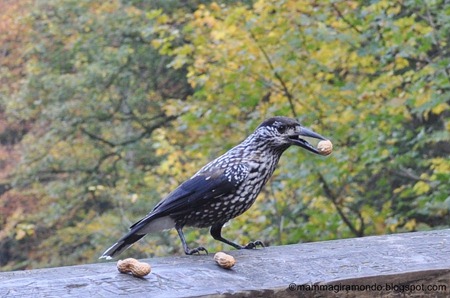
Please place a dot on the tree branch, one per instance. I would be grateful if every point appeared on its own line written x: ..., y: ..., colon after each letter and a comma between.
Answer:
x: 286, y: 91
x: 97, y: 138
x: 333, y: 198
x: 147, y: 130
x: 345, y: 19
x: 405, y: 173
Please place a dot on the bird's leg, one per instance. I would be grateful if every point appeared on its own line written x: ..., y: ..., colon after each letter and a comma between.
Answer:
x: 186, y: 248
x: 216, y: 233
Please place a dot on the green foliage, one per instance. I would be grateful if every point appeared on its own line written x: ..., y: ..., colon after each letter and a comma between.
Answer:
x: 95, y: 91
x: 353, y: 72
x: 129, y: 98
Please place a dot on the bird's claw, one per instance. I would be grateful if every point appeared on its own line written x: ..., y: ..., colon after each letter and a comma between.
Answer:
x: 254, y: 244
x: 196, y: 250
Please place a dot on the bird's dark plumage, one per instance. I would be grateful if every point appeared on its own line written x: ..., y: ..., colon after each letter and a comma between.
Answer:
x: 224, y: 188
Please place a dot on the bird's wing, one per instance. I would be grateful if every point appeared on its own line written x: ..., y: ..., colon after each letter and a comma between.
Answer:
x: 200, y: 189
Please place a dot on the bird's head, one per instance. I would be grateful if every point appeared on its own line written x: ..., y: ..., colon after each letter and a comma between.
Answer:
x: 282, y: 132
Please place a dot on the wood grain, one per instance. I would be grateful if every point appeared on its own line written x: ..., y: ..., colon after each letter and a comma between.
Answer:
x: 413, y: 259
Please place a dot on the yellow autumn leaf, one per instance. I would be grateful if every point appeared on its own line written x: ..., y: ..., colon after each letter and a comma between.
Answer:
x: 410, y: 224
x: 440, y: 108
x: 214, y: 6
x: 401, y: 62
x: 440, y: 165
x: 20, y: 234
x: 421, y: 187
x: 218, y: 34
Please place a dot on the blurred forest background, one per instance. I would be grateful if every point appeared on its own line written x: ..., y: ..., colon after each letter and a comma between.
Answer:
x: 106, y: 106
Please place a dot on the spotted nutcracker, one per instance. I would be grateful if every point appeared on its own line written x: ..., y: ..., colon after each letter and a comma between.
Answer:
x: 222, y: 189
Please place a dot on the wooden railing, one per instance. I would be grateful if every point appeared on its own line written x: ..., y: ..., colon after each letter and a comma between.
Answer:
x: 399, y: 265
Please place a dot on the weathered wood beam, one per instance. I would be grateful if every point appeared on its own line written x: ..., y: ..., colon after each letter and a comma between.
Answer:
x: 416, y: 264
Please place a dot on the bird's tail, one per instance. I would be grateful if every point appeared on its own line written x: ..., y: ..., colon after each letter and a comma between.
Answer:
x: 125, y: 242
x: 151, y: 223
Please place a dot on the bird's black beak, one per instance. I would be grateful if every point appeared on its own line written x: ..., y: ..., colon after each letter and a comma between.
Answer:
x: 304, y: 132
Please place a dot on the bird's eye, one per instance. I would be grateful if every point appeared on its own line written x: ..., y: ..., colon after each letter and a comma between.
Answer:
x: 281, y: 128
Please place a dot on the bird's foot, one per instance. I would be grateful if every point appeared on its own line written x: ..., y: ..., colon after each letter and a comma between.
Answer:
x: 254, y: 244
x: 195, y: 250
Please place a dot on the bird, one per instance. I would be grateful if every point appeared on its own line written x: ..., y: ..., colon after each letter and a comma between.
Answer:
x: 223, y: 189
